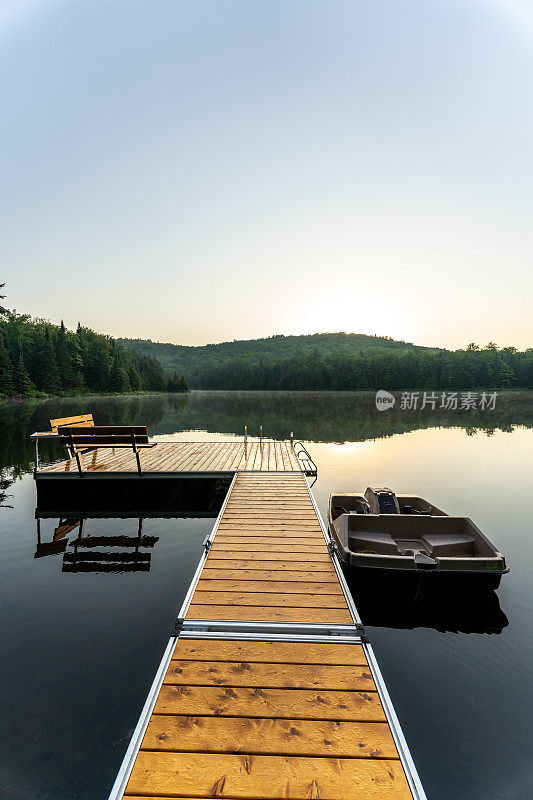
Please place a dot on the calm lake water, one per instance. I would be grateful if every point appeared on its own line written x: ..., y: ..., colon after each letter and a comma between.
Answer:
x: 82, y: 634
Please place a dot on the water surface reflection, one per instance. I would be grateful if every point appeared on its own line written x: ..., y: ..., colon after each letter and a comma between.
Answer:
x: 461, y: 694
x: 445, y: 605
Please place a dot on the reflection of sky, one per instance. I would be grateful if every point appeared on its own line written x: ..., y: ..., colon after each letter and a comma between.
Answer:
x: 454, y: 693
x: 460, y: 698
x: 220, y: 161
x: 476, y: 476
x: 479, y: 476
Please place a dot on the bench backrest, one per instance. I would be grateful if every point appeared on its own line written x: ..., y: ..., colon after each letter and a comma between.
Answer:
x: 82, y: 421
x: 103, y: 435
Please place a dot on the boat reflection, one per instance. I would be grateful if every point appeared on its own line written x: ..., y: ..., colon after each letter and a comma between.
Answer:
x: 446, y: 606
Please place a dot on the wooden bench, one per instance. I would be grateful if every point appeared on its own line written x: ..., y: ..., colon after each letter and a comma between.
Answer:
x: 109, y: 436
x: 81, y: 421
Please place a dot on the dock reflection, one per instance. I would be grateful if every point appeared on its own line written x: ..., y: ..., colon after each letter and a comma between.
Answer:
x: 86, y: 551
x: 446, y: 606
x: 149, y: 497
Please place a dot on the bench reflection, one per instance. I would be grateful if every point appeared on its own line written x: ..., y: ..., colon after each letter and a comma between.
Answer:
x: 97, y: 553
x: 85, y: 548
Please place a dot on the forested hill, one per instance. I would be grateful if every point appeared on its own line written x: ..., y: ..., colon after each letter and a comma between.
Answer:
x: 202, y: 364
x: 341, y: 361
x: 39, y: 358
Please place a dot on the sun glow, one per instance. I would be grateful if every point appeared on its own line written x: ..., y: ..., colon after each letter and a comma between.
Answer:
x: 355, y: 311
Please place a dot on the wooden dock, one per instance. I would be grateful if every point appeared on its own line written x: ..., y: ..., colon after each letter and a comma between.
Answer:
x: 182, y: 459
x: 268, y: 689
x: 269, y: 560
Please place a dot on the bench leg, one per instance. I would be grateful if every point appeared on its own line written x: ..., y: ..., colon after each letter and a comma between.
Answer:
x: 137, y: 456
x: 76, y: 453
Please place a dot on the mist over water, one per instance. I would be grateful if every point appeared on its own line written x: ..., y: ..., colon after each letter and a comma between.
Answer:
x: 84, y: 618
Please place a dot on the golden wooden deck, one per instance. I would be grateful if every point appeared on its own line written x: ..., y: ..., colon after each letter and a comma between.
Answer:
x: 269, y: 525
x: 184, y: 458
x: 268, y: 719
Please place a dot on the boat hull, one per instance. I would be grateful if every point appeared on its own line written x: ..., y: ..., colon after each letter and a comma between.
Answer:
x: 421, y: 544
x: 443, y: 577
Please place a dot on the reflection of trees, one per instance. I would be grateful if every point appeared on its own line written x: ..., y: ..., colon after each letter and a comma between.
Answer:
x: 330, y: 416
x: 5, y: 483
x: 314, y: 416
x: 18, y: 420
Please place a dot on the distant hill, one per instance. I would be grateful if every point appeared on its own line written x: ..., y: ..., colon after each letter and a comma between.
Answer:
x: 340, y: 361
x: 195, y: 362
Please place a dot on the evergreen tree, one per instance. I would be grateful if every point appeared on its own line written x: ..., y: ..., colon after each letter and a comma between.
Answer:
x: 173, y: 383
x: 78, y: 384
x: 152, y: 374
x: 118, y: 379
x: 23, y: 382
x: 7, y: 387
x: 63, y: 359
x: 97, y: 358
x: 57, y: 360
x: 2, y: 297
x: 177, y: 383
x: 48, y: 374
x: 134, y: 378
x: 183, y: 385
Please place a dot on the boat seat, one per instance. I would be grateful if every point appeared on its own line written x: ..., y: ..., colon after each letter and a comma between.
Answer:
x: 449, y: 544
x: 370, y: 542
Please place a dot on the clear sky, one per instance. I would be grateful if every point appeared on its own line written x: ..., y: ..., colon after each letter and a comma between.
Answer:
x: 207, y: 171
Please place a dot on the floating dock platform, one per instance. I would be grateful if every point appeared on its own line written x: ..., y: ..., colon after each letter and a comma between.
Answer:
x: 268, y: 688
x: 182, y: 459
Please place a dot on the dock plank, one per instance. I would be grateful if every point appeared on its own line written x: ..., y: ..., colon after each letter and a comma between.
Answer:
x: 283, y: 587
x: 262, y: 736
x: 270, y: 675
x: 294, y: 557
x: 231, y: 701
x: 246, y: 563
x: 265, y: 537
x: 333, y: 616
x: 267, y: 598
x: 271, y: 652
x: 265, y: 777
x: 327, y: 575
x: 281, y: 546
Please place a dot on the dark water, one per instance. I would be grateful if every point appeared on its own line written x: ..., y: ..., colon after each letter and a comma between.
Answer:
x: 84, y: 624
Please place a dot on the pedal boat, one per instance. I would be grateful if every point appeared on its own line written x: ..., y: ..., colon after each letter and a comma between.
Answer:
x: 406, y: 533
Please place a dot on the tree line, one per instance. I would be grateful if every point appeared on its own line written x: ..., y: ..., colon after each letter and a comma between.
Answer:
x: 376, y: 368
x: 194, y: 360
x: 342, y: 361
x: 38, y: 358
